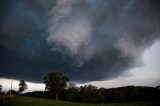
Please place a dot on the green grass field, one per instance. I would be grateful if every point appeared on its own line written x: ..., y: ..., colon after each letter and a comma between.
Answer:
x: 30, y: 101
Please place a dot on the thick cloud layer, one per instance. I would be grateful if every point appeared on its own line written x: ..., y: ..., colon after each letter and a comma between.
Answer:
x: 85, y: 39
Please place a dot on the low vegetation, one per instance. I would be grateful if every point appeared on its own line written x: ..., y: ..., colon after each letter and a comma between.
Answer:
x: 91, y: 94
x: 30, y: 101
x: 58, y: 89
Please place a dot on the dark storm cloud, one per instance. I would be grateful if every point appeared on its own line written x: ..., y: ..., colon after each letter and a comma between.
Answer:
x: 85, y: 39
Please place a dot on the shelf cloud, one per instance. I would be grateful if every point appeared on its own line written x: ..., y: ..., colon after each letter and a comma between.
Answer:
x: 88, y: 40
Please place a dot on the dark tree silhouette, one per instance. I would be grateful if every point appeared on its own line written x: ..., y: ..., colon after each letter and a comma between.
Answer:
x: 90, y: 93
x: 71, y: 92
x: 158, y: 87
x: 22, y: 86
x: 12, y: 92
x: 55, y: 82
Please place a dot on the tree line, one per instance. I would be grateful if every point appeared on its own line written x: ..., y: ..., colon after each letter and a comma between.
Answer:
x: 56, y: 87
x: 90, y: 94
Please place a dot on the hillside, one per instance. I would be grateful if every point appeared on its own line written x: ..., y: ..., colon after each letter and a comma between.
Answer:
x: 91, y: 94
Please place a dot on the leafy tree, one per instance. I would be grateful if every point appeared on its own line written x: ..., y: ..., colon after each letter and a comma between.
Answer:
x: 90, y: 93
x: 12, y: 92
x: 22, y: 86
x: 72, y: 92
x: 55, y: 82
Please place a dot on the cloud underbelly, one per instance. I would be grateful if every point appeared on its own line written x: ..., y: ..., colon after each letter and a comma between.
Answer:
x: 86, y: 39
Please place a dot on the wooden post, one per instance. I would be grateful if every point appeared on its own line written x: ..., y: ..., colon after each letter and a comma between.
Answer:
x: 11, y: 87
x: 4, y: 99
x: 56, y: 96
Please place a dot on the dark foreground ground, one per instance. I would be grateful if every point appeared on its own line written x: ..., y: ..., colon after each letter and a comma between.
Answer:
x: 30, y: 101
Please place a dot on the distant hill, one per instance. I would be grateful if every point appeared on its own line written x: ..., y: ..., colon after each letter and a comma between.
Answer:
x: 102, y: 95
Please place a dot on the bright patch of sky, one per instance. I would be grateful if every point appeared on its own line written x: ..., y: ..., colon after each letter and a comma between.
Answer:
x: 147, y: 75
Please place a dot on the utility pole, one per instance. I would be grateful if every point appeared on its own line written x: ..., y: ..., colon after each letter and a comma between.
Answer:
x: 11, y: 87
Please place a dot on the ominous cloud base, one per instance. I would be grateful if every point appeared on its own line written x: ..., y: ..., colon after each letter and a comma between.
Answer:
x: 85, y: 39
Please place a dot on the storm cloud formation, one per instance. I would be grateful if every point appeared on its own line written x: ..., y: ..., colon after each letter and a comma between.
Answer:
x: 86, y: 39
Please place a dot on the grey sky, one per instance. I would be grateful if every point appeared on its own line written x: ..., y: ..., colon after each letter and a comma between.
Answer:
x: 88, y: 40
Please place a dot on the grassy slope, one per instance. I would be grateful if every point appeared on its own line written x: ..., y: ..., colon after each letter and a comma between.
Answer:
x: 29, y: 101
